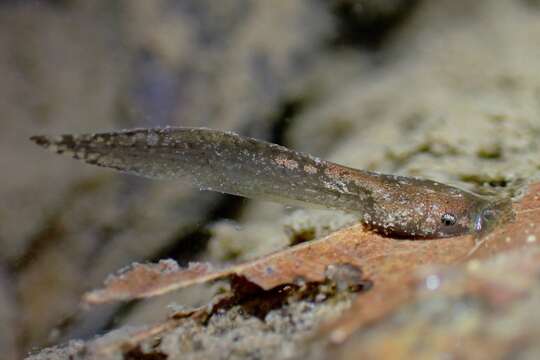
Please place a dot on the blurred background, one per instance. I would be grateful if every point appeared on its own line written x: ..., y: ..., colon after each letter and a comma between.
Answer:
x: 444, y: 89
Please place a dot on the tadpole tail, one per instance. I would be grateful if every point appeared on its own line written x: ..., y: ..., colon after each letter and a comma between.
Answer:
x: 219, y: 161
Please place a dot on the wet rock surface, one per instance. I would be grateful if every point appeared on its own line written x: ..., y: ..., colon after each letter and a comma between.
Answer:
x: 448, y: 90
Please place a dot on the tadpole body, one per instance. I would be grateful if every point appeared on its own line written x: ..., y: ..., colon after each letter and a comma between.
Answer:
x: 226, y: 162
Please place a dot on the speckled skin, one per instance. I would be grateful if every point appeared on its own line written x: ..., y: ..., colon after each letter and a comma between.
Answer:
x: 226, y: 162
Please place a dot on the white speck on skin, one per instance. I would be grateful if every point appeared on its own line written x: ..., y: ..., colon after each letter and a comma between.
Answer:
x: 139, y: 137
x: 287, y: 163
x: 310, y: 169
x: 531, y: 239
x: 152, y: 139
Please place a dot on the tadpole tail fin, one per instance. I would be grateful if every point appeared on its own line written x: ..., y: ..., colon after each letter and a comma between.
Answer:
x: 219, y: 161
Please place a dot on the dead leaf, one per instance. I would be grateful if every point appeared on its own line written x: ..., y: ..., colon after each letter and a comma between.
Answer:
x: 147, y: 280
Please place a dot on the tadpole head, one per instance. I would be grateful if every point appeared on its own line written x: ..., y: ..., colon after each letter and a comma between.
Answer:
x: 492, y: 215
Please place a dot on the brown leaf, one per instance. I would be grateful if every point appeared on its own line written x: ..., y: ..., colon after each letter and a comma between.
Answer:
x: 147, y: 280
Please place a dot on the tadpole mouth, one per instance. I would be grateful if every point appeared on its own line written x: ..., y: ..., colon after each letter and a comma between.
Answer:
x: 494, y: 214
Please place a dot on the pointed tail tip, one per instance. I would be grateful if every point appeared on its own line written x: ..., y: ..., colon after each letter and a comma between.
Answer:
x: 55, y: 144
x: 43, y: 141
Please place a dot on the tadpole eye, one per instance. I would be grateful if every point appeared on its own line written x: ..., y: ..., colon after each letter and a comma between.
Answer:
x: 448, y: 219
